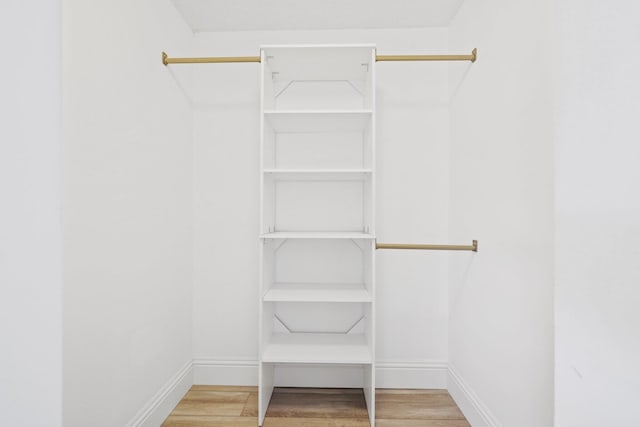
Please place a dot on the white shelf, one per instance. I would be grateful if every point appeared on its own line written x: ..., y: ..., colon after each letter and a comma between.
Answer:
x: 318, y: 174
x: 317, y: 235
x: 317, y: 292
x: 300, y: 121
x: 317, y: 348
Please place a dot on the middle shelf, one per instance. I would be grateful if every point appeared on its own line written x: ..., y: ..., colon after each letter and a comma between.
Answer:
x: 317, y: 292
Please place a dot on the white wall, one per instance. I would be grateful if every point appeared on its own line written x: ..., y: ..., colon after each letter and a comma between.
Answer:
x: 30, y: 247
x: 501, y: 299
x: 597, y: 100
x: 413, y: 126
x: 127, y: 209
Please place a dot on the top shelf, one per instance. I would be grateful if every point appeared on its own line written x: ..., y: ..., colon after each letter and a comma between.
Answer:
x: 317, y: 235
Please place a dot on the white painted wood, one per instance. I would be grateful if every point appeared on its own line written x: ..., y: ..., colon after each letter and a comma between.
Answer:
x: 319, y: 375
x: 319, y: 174
x: 317, y: 348
x: 318, y: 292
x: 369, y: 389
x: 265, y: 390
x: 158, y: 408
x: 317, y: 264
x: 317, y: 235
x: 473, y: 408
x: 418, y: 374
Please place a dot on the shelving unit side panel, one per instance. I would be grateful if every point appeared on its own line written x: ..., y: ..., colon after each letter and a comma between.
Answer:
x: 370, y: 392
x: 372, y: 143
x: 268, y: 90
x: 265, y: 389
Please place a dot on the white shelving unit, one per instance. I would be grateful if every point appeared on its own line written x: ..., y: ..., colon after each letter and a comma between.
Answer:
x: 317, y: 266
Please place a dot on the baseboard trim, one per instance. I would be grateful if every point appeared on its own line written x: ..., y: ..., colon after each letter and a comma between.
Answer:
x: 476, y: 412
x: 225, y: 372
x: 389, y: 374
x: 160, y: 406
x: 420, y: 375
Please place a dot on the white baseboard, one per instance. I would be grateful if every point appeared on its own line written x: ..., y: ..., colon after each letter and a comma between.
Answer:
x: 469, y: 403
x: 225, y: 372
x: 160, y: 406
x: 420, y: 375
x: 423, y: 375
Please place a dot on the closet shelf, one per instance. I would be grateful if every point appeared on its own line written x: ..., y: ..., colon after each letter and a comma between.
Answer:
x: 300, y: 121
x: 317, y: 348
x: 317, y: 235
x: 317, y: 292
x: 318, y: 174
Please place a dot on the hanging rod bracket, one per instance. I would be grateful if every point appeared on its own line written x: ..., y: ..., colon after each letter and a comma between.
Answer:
x: 473, y: 247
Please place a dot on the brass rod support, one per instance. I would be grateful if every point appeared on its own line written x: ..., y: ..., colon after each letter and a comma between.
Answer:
x: 209, y: 60
x: 472, y: 57
x: 473, y: 247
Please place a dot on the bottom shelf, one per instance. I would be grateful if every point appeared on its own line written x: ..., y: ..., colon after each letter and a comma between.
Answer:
x: 317, y: 348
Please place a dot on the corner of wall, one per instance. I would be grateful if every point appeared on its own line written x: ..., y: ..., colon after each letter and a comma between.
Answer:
x: 158, y: 408
x: 476, y: 412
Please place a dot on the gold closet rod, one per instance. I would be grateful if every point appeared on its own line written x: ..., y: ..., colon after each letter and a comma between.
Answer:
x: 474, y: 54
x: 219, y: 59
x: 473, y: 247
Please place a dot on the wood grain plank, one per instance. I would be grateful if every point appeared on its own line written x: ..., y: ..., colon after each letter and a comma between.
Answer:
x: 231, y: 406
x: 299, y: 390
x: 209, y: 421
x: 410, y: 391
x: 317, y: 405
x: 421, y: 423
x: 315, y: 422
x: 212, y: 403
x: 251, y: 406
x: 416, y: 406
x: 225, y: 388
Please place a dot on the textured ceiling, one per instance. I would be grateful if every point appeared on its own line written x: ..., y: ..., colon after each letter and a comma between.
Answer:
x: 256, y: 15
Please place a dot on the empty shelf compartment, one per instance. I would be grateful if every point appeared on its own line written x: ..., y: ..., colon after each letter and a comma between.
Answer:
x: 317, y: 348
x: 317, y: 292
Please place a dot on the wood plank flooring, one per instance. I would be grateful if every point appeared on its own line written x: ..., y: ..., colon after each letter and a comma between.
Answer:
x: 229, y: 406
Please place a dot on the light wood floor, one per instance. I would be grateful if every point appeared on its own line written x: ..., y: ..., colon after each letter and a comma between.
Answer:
x: 220, y: 406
